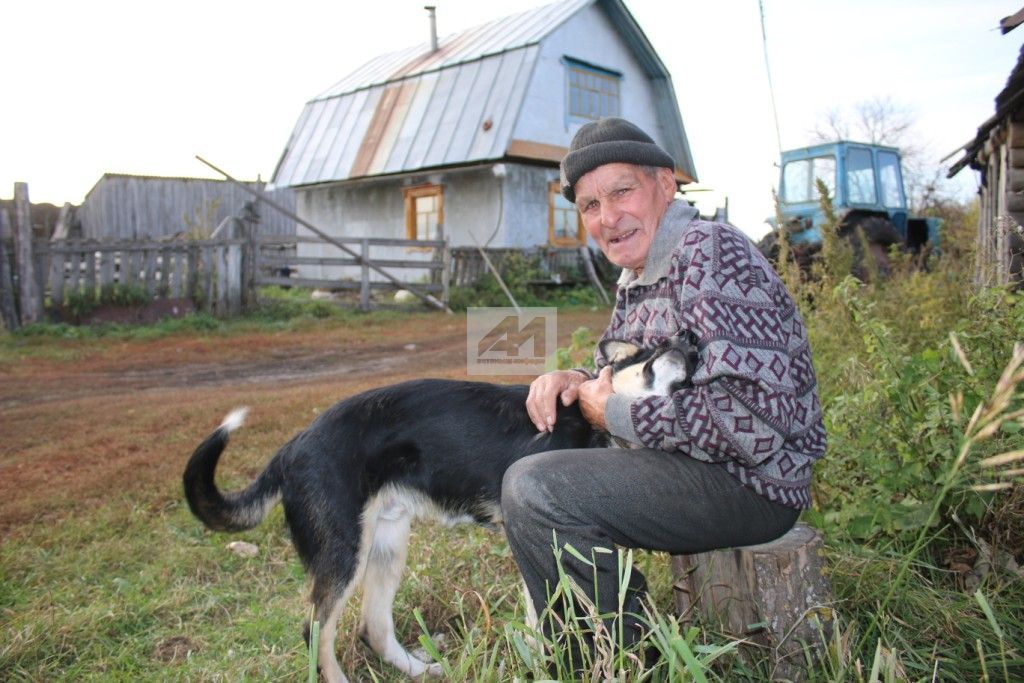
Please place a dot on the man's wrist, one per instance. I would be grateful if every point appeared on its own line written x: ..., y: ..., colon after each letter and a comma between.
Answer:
x: 587, y: 374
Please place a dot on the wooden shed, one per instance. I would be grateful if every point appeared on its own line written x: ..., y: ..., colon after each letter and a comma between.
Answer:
x: 133, y: 207
x: 997, y: 153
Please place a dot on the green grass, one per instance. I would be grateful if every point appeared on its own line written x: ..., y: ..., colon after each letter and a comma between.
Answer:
x: 107, y: 594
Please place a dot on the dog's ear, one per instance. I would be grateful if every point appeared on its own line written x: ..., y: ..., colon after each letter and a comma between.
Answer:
x: 685, y: 346
x: 617, y: 350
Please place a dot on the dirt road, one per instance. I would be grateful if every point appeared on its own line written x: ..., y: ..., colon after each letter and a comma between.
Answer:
x: 87, y: 421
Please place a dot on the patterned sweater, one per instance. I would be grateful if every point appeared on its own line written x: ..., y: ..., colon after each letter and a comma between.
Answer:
x: 754, y: 406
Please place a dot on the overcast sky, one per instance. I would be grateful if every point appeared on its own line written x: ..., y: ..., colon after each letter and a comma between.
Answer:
x: 141, y: 87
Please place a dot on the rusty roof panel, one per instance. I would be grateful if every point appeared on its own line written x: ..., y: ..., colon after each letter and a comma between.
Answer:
x: 399, y: 112
x: 374, y: 132
x: 429, y: 120
x: 343, y: 133
x: 355, y: 138
x: 413, y: 123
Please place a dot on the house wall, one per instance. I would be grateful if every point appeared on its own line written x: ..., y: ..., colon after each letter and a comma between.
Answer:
x: 473, y: 198
x: 142, y: 207
x: 376, y: 208
x: 588, y: 36
x: 999, y: 247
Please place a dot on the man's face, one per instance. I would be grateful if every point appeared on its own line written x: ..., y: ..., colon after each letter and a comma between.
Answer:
x: 621, y: 206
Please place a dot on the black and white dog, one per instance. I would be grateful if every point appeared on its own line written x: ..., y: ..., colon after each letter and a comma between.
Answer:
x: 354, y: 480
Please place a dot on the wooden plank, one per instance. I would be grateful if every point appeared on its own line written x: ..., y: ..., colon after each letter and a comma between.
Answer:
x: 209, y: 265
x: 138, y: 266
x: 179, y: 283
x: 233, y: 279
x: 163, y: 273
x: 56, y: 272
x: 281, y: 261
x: 90, y: 273
x: 354, y: 241
x: 74, y: 279
x: 446, y: 273
x: 8, y: 312
x: 527, y: 149
x: 106, y: 270
x: 364, y: 290
x: 350, y: 286
x: 24, y: 264
x: 149, y: 267
x: 221, y: 279
x: 42, y: 263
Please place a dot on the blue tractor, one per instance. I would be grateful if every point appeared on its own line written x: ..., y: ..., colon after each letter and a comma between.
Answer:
x: 866, y: 185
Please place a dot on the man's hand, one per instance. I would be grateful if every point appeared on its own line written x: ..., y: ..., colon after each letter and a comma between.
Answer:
x: 593, y: 395
x: 548, y: 388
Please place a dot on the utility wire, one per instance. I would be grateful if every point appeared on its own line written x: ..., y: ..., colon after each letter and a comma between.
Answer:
x: 767, y: 68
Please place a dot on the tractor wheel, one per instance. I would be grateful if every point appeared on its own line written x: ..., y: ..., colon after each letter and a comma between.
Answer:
x: 769, y: 246
x: 880, y: 234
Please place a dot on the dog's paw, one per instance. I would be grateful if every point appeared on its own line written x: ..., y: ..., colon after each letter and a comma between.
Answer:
x: 422, y: 655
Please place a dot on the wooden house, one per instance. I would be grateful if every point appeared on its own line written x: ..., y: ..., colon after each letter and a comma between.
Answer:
x: 460, y: 138
x: 997, y: 153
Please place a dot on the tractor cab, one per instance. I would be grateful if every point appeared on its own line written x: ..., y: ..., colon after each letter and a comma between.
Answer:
x: 866, y: 185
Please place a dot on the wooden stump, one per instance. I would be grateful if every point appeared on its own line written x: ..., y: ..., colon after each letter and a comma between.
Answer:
x: 774, y: 595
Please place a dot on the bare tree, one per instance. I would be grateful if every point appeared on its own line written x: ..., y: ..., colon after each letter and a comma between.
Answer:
x: 880, y: 121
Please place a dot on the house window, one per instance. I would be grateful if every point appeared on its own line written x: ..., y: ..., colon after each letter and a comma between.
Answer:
x: 424, y: 212
x: 593, y: 92
x: 565, y: 228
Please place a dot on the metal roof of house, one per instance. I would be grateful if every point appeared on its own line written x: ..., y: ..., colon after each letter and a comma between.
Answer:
x: 417, y: 109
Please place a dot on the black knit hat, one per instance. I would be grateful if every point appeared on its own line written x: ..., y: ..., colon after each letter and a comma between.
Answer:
x: 607, y: 141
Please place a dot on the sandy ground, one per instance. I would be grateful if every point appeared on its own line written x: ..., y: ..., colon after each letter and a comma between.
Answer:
x: 85, y: 421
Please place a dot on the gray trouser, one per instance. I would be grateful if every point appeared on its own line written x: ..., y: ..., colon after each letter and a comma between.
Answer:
x: 607, y: 497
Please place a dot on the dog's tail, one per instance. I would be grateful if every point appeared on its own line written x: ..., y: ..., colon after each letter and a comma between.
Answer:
x: 233, y: 511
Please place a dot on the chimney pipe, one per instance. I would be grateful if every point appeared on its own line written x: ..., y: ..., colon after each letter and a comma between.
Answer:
x: 433, y: 26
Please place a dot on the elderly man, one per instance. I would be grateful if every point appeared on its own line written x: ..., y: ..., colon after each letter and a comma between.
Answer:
x: 726, y: 462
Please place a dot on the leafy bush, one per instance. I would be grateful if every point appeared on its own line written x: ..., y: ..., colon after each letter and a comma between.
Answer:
x: 522, y: 275
x: 579, y: 353
x: 79, y: 303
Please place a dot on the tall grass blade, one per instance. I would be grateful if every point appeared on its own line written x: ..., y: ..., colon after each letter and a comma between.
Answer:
x: 693, y: 665
x: 314, y: 648
x: 427, y: 643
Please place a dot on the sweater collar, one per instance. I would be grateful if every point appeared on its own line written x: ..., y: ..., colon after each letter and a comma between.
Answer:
x: 659, y: 256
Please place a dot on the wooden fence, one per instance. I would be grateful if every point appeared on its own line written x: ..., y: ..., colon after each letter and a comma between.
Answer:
x: 556, y: 265
x: 281, y: 261
x: 209, y: 272
x: 218, y: 276
x: 221, y: 276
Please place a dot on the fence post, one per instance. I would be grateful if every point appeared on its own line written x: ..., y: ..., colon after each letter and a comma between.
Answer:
x: 446, y: 271
x: 23, y: 261
x: 8, y: 312
x: 364, y: 290
x: 249, y: 251
x: 233, y: 277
